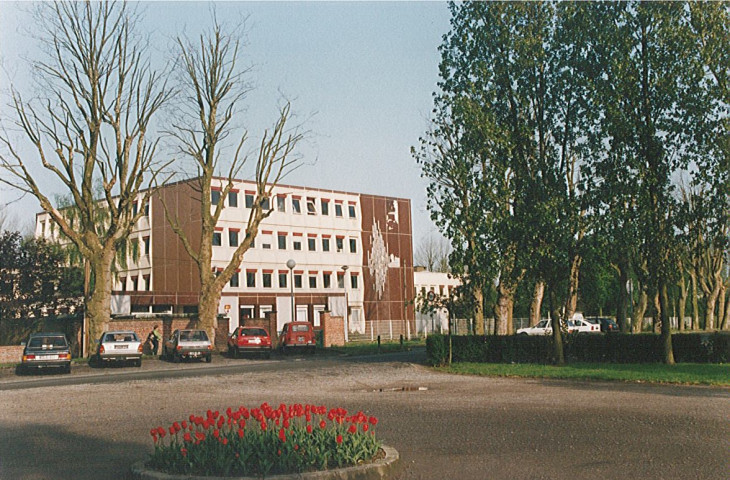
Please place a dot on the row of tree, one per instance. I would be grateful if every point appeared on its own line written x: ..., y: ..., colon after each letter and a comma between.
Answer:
x: 562, y: 129
x: 94, y: 125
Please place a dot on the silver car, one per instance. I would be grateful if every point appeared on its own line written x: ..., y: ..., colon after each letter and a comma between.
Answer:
x: 119, y: 346
x: 188, y: 344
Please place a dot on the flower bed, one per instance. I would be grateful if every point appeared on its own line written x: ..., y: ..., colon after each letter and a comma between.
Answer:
x: 265, y: 441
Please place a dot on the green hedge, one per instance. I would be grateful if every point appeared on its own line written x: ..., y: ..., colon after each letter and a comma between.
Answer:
x: 613, y: 348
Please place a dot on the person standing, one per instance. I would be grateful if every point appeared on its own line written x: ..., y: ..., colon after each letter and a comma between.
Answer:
x: 154, y: 337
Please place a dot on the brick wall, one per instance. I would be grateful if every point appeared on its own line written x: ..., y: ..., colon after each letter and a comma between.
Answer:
x: 333, y: 330
x: 11, y: 354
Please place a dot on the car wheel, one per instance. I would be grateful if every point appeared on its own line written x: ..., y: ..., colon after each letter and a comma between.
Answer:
x: 267, y: 355
x: 175, y: 358
x: 67, y: 368
x: 208, y: 358
x: 236, y: 352
x: 522, y: 334
x: 138, y: 362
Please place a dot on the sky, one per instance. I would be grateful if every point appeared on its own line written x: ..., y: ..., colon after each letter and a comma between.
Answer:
x: 360, y: 75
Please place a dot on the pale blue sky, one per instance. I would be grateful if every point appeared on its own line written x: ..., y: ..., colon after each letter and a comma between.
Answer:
x: 361, y: 74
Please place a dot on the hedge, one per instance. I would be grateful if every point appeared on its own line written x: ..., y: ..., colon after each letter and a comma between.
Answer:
x: 594, y: 348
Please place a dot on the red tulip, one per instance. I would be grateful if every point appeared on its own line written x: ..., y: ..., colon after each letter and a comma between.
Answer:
x: 322, y: 424
x: 339, y: 439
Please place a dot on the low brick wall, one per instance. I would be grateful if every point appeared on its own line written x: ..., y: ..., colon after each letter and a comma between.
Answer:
x: 11, y: 354
x: 168, y: 324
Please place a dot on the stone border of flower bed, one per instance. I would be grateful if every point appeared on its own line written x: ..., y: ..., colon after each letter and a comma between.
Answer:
x: 378, y: 469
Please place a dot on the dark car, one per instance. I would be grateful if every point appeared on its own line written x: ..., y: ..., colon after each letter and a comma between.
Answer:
x: 249, y: 340
x: 297, y: 336
x: 608, y: 325
x: 46, y: 350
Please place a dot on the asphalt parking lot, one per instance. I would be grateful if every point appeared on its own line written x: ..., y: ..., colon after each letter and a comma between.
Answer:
x: 443, y: 426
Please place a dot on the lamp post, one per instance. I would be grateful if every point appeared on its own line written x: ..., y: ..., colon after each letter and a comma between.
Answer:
x: 291, y: 264
x: 347, y: 312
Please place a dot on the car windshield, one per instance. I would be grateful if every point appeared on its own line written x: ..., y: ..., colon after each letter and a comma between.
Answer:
x: 47, y: 342
x: 542, y: 324
x: 121, y: 337
x: 594, y: 321
x: 253, y: 332
x: 300, y: 328
x: 194, y: 336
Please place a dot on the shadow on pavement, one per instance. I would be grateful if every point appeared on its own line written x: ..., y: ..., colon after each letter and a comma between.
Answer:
x: 46, y: 452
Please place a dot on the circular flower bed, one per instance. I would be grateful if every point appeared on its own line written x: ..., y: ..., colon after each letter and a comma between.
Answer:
x: 265, y: 441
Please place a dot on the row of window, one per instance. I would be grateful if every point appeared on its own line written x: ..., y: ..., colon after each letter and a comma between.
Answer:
x: 137, y: 283
x: 314, y: 206
x: 312, y: 279
x: 297, y: 242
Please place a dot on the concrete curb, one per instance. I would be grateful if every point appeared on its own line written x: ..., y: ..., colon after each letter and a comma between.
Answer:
x: 382, y: 468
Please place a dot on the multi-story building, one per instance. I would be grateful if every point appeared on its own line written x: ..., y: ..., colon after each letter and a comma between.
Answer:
x: 350, y: 249
x: 440, y: 286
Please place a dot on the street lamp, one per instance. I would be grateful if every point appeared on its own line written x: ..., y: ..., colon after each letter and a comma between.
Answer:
x: 347, y: 313
x: 291, y: 264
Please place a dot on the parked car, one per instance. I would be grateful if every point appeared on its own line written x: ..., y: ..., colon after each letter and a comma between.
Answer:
x: 119, y: 346
x: 608, y: 325
x: 188, y: 344
x: 584, y: 325
x: 544, y: 327
x: 249, y: 340
x: 46, y: 350
x: 297, y: 336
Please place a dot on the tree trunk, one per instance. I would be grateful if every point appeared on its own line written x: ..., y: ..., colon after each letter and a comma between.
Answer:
x: 666, y: 328
x: 712, y: 297
x: 503, y: 309
x: 637, y: 317
x: 208, y: 310
x: 623, y: 297
x: 558, y: 353
x: 571, y: 303
x: 695, y: 301
x: 656, y: 318
x: 682, y: 300
x: 721, y: 308
x: 536, y: 303
x: 478, y: 310
x: 726, y: 322
x: 97, y: 308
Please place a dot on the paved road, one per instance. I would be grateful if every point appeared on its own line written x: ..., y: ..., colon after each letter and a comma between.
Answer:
x: 460, y: 427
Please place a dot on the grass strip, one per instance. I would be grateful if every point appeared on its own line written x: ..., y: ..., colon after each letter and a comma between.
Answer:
x: 683, y: 373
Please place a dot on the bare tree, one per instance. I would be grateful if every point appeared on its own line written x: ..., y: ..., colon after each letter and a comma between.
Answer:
x: 213, y: 86
x: 433, y: 254
x: 88, y: 128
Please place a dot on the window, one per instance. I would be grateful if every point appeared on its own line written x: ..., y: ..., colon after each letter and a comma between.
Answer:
x: 146, y: 279
x: 351, y: 210
x: 234, y: 280
x: 312, y: 280
x: 251, y: 278
x: 353, y: 245
x: 353, y: 281
x: 246, y: 311
x: 281, y: 203
x: 295, y: 205
x: 233, y: 198
x: 147, y: 209
x: 311, y: 207
x: 216, y: 239
x: 134, y: 209
x: 146, y: 241
x: 266, y: 239
x: 265, y: 204
x: 325, y: 244
x: 340, y: 280
x: 297, y: 280
x: 215, y: 197
x: 135, y: 249
x: 267, y: 279
x: 248, y: 199
x: 282, y: 279
x: 312, y: 244
x: 233, y: 238
x: 338, y: 209
x: 282, y: 241
x: 297, y: 244
x: 339, y: 243
x: 325, y: 207
x: 327, y: 279
x: 134, y: 284
x: 123, y: 283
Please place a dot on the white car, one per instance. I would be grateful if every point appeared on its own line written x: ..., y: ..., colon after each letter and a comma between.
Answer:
x: 582, y: 325
x: 119, y: 346
x: 543, y: 327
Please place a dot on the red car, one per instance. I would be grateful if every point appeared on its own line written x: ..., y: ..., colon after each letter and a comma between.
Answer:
x: 297, y: 335
x: 249, y: 340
